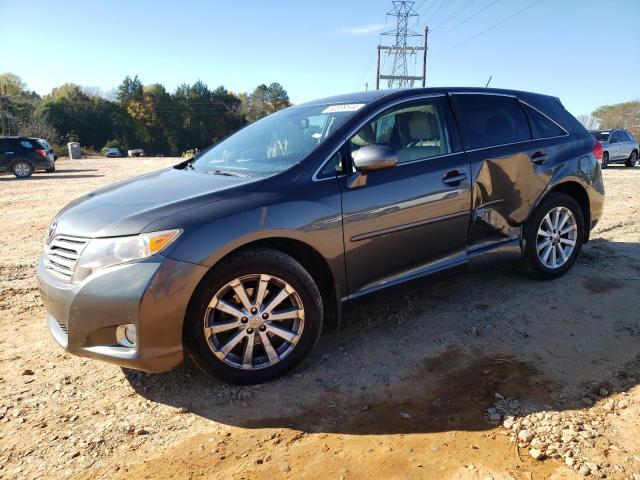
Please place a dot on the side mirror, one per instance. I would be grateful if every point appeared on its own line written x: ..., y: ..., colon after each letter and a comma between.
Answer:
x: 374, y: 157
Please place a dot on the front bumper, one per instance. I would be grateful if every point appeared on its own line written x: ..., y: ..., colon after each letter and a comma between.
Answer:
x: 151, y: 294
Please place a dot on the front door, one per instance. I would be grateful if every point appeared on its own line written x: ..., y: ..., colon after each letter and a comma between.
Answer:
x: 414, y: 216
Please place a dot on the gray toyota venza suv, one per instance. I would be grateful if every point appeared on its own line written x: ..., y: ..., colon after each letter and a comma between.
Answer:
x: 240, y: 255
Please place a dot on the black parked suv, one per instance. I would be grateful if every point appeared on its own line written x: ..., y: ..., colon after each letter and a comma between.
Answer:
x: 239, y: 255
x: 23, y: 155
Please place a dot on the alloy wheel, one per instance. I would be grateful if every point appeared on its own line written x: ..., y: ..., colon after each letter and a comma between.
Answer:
x: 556, y: 238
x: 254, y: 321
x: 22, y: 169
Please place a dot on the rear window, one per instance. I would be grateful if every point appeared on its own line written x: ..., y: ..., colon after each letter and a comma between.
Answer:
x: 602, y: 136
x: 542, y: 126
x: 491, y: 120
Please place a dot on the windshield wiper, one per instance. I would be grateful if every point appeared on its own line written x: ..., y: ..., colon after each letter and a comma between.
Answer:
x: 226, y: 173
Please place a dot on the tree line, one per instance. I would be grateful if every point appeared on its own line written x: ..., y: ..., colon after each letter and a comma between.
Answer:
x: 136, y: 116
x: 620, y: 115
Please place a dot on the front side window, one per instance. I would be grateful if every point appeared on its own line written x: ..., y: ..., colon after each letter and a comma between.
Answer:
x: 414, y: 132
x: 274, y: 143
x: 491, y: 120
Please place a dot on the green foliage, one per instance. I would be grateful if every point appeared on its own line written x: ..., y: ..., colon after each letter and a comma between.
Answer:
x: 149, y: 117
x: 264, y: 101
x: 620, y: 115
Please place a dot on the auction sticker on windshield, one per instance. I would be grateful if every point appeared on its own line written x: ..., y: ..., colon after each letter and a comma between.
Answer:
x: 346, y: 107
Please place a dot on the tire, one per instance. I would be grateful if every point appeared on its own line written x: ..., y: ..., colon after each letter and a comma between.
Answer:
x: 538, y: 230
x: 633, y: 158
x: 22, y: 169
x: 605, y: 160
x: 211, y: 349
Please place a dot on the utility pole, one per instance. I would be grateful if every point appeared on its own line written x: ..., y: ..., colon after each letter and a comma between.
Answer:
x: 406, y: 44
x: 2, y: 98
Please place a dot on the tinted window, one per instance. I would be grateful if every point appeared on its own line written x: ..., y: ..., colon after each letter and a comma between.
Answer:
x: 623, y: 136
x: 414, y: 132
x: 5, y: 146
x: 492, y: 120
x: 615, y: 136
x: 541, y: 126
x: 26, y: 144
x: 602, y: 136
x: 333, y: 167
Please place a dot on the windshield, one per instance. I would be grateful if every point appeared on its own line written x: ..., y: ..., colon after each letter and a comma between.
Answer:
x: 602, y: 136
x: 274, y: 143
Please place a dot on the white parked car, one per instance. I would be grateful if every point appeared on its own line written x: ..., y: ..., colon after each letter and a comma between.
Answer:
x: 136, y: 152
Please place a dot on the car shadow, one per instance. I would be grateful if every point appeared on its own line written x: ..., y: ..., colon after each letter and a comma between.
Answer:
x: 433, y: 358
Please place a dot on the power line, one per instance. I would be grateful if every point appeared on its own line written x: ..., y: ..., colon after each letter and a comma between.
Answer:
x: 493, y: 26
x: 453, y: 15
x: 438, y: 9
x: 471, y: 17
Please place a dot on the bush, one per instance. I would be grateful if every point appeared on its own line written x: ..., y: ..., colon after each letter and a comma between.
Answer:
x: 60, y: 150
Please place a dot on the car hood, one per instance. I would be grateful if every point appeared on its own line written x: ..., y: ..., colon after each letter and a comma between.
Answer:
x: 127, y: 207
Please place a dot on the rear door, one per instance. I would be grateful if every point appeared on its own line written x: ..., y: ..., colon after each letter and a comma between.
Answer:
x: 626, y: 145
x: 512, y: 149
x: 6, y: 154
x: 412, y: 218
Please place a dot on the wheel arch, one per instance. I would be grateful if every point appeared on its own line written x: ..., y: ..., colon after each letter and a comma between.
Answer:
x: 310, y: 259
x: 580, y: 195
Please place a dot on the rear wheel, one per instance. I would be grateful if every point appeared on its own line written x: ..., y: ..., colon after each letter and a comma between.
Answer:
x: 256, y: 316
x: 632, y: 160
x: 22, y: 169
x: 605, y: 160
x: 553, y: 237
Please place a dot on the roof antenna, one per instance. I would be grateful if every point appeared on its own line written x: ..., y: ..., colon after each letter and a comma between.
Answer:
x: 488, y: 81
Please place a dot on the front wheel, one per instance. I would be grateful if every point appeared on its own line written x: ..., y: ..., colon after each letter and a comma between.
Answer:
x: 553, y: 237
x: 632, y: 160
x: 254, y: 317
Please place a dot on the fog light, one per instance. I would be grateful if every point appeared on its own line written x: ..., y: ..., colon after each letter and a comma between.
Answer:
x: 126, y: 335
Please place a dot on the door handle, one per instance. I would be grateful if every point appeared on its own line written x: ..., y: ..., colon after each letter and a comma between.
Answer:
x: 539, y: 158
x: 454, y: 177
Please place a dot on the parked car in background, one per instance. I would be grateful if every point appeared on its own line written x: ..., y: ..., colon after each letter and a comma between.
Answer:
x: 22, y: 156
x: 136, y: 152
x: 238, y: 256
x: 112, y: 153
x: 52, y: 156
x: 619, y: 146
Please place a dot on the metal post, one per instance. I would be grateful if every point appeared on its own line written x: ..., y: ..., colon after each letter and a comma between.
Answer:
x: 424, y: 62
x: 378, y: 71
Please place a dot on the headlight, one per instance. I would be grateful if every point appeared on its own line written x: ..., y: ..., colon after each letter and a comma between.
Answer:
x: 106, y: 252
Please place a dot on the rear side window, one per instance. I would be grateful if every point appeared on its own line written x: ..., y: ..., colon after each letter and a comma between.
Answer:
x: 490, y: 120
x: 623, y: 136
x: 542, y: 126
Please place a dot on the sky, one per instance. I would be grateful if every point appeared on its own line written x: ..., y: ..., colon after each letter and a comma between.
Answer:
x: 586, y: 52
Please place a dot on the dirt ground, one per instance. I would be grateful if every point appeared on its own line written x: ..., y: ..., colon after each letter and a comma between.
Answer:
x: 466, y: 378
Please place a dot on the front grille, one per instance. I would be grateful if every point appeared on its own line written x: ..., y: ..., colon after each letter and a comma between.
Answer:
x: 61, y: 255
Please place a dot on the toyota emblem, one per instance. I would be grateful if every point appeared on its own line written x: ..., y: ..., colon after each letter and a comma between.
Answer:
x: 52, y: 231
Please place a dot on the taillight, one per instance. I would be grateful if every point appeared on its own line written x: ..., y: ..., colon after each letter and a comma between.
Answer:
x: 597, y: 150
x: 40, y: 152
